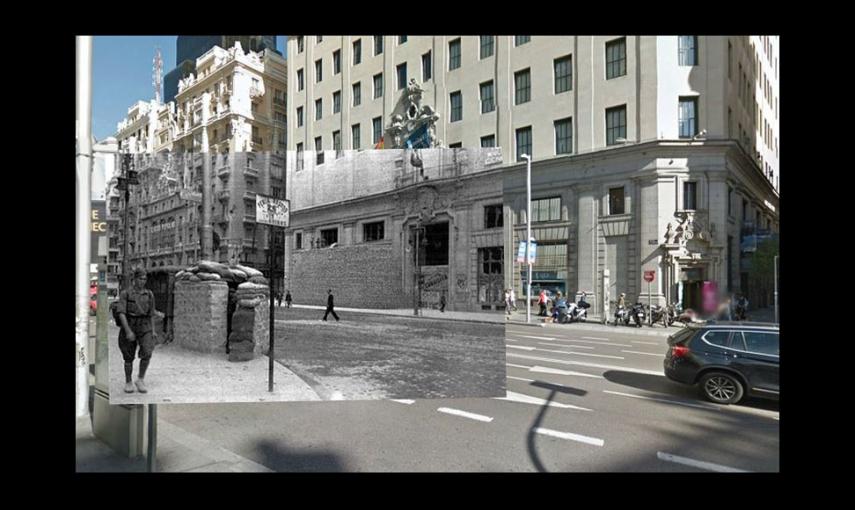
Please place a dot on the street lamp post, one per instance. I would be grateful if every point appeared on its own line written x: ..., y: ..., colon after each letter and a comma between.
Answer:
x: 776, y: 288
x: 527, y: 157
x: 83, y: 207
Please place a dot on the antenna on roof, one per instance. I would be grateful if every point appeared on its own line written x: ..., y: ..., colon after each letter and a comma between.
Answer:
x: 157, y: 74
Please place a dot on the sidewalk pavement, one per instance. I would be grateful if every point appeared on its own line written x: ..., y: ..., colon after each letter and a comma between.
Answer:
x: 179, y: 376
x: 177, y: 451
x: 425, y: 313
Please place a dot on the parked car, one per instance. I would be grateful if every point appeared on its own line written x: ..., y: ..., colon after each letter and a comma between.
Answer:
x: 727, y: 360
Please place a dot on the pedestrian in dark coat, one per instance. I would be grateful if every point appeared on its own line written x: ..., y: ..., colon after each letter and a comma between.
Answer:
x: 288, y: 299
x: 330, y: 305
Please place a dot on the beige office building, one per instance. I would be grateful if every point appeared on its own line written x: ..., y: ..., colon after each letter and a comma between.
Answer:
x: 649, y: 152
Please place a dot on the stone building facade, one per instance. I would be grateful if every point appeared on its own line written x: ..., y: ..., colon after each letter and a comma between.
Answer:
x: 356, y: 216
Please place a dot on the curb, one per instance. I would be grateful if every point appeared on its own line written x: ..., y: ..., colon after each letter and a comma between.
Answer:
x: 600, y: 327
x: 387, y: 314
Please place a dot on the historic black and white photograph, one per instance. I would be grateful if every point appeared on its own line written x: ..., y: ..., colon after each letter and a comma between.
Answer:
x: 386, y: 275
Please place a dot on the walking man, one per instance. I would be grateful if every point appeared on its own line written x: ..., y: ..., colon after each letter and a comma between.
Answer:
x: 330, y: 306
x: 136, y: 321
x: 288, y: 299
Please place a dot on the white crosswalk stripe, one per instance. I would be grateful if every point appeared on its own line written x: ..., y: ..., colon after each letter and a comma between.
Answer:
x: 570, y: 436
x: 465, y: 414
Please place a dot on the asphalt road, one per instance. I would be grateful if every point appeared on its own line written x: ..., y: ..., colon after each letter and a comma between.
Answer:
x: 577, y: 401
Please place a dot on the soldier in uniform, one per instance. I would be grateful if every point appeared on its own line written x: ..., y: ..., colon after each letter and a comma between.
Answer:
x: 136, y: 321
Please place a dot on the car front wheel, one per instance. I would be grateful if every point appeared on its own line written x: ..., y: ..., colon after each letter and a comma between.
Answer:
x: 721, y: 388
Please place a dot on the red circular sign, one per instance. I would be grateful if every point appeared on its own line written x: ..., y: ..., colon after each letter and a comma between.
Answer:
x: 649, y: 275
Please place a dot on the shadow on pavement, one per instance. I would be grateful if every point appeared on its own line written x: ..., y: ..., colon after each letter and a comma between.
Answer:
x: 532, y: 431
x: 279, y: 459
x: 664, y: 385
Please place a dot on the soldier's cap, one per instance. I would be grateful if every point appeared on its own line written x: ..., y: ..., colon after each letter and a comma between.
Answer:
x: 139, y: 272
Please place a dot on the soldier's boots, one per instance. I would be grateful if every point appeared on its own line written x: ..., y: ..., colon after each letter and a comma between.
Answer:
x: 129, y: 387
x: 141, y: 386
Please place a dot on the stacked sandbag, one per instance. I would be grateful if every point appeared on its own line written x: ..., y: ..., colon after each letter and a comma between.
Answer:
x: 250, y: 321
x: 207, y: 270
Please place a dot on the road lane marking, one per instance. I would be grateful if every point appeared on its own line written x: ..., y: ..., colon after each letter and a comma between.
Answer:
x: 570, y: 436
x: 594, y: 338
x: 558, y: 371
x: 535, y: 337
x: 646, y: 353
x: 645, y: 343
x: 523, y: 347
x: 584, y: 364
x: 593, y: 342
x: 566, y: 345
x: 517, y: 366
x: 403, y: 401
x: 464, y: 414
x: 520, y: 378
x: 511, y: 340
x: 667, y: 401
x: 709, y: 466
x: 527, y: 399
x: 579, y: 353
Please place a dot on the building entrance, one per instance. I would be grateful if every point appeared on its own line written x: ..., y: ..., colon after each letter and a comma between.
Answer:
x: 693, y: 283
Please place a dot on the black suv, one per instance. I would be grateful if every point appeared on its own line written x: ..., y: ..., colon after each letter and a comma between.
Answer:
x: 728, y: 359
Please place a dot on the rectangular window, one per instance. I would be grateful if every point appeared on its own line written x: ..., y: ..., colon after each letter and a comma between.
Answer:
x: 373, y: 231
x: 298, y: 241
x: 378, y: 44
x: 488, y: 104
x: 454, y: 54
x: 564, y: 136
x: 336, y: 62
x: 299, y: 116
x: 336, y: 101
x: 319, y: 152
x: 488, y: 141
x: 522, y: 86
x: 402, y: 75
x: 486, y: 46
x: 729, y: 60
x: 319, y: 108
x: 563, y: 74
x: 458, y: 145
x: 356, y: 143
x: 377, y: 124
x: 299, y: 79
x: 729, y: 201
x: 615, y: 124
x: 402, y: 39
x: 336, y: 142
x: 616, y: 58
x: 299, y: 156
x: 493, y: 216
x: 300, y: 44
x: 319, y: 70
x: 491, y: 260
x: 357, y: 51
x: 688, y: 120
x: 426, y: 67
x: 519, y: 40
x: 546, y: 209
x: 456, y: 106
x: 687, y: 50
x: 690, y: 195
x: 616, y: 201
x: 378, y: 85
x: 523, y: 142
x: 357, y: 94
x: 320, y: 39
x: 329, y: 236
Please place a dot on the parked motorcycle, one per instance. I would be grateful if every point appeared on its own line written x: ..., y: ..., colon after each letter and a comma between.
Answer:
x: 577, y: 312
x: 659, y: 314
x: 637, y: 314
x: 622, y: 316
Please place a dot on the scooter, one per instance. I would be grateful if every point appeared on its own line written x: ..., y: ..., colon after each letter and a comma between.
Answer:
x: 577, y: 312
x: 659, y: 314
x: 637, y: 314
x: 622, y: 315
